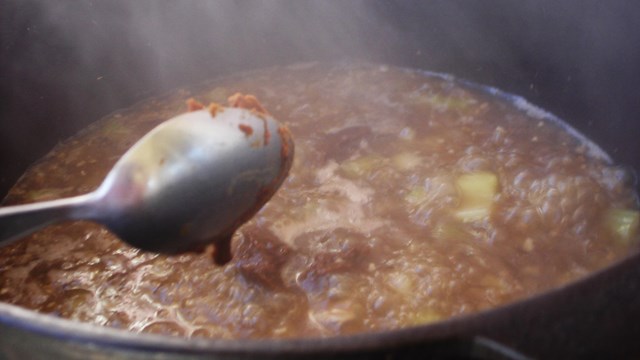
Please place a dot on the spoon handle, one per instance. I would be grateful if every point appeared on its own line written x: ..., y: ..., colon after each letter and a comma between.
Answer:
x: 20, y: 220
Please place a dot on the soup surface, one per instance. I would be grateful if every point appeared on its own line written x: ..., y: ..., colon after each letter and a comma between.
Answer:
x: 412, y: 198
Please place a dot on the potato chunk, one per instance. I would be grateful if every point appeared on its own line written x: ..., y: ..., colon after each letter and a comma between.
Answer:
x: 477, y: 191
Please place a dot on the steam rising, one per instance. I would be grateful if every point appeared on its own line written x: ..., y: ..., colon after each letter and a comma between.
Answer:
x: 170, y: 42
x: 66, y: 63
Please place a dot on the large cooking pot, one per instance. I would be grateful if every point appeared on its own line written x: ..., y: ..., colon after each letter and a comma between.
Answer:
x: 64, y: 64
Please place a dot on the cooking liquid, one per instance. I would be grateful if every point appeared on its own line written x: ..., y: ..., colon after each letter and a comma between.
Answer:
x: 373, y: 229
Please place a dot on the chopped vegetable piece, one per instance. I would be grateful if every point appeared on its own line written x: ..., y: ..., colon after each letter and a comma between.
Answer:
x: 477, y: 191
x: 473, y: 214
x: 623, y: 223
x: 478, y: 188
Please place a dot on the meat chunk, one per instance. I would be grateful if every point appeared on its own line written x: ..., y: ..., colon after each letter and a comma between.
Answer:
x: 260, y: 256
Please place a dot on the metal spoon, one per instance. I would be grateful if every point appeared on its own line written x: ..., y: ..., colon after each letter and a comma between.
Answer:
x: 191, y: 181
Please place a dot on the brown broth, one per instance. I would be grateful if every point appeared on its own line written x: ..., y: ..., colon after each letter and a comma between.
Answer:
x: 369, y: 232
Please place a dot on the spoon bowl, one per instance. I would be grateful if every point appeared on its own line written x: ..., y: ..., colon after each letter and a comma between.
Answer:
x: 191, y: 181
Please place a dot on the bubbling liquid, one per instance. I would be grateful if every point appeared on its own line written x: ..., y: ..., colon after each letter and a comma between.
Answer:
x: 413, y: 198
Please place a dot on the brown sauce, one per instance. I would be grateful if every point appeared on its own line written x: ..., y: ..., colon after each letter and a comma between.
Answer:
x: 411, y: 199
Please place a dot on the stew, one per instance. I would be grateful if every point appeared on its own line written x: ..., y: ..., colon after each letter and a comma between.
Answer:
x: 413, y: 197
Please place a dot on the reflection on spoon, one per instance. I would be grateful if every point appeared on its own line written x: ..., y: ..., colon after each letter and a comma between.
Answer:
x: 190, y: 182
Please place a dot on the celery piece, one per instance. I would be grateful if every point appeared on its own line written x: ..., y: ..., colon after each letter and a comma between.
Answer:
x: 359, y: 167
x: 477, y: 191
x: 623, y: 223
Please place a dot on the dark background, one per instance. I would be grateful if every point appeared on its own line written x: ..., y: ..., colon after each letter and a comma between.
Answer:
x: 64, y: 64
